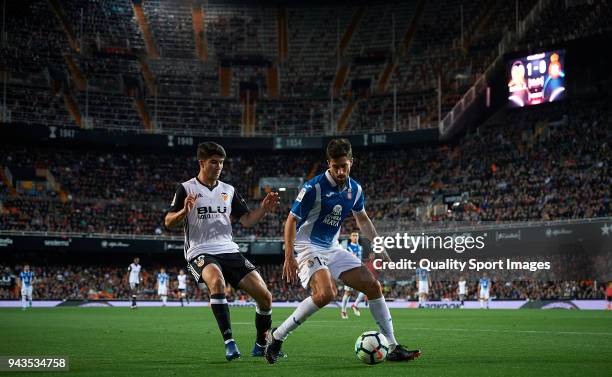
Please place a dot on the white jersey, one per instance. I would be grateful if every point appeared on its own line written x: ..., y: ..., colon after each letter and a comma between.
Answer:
x: 208, y: 227
x: 182, y: 281
x: 462, y: 287
x: 134, y: 273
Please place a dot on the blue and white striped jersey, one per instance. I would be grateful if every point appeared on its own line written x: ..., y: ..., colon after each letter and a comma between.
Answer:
x: 162, y: 278
x: 322, y: 206
x: 26, y: 278
x: 422, y: 275
x: 355, y: 248
x: 484, y: 283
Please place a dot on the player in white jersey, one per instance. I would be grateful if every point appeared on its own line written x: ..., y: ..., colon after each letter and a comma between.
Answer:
x: 134, y: 279
x: 484, y: 286
x: 355, y: 248
x: 26, y: 280
x: 314, y: 256
x: 182, y: 286
x: 162, y: 285
x: 462, y: 290
x: 206, y: 208
x: 424, y: 281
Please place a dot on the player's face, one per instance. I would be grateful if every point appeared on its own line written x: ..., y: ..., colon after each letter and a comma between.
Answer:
x: 181, y: 272
x: 136, y: 260
x: 26, y: 268
x: 340, y: 169
x: 162, y: 270
x: 212, y: 167
x: 354, y: 238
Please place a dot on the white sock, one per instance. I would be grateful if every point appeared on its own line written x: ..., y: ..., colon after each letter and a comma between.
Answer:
x: 23, y: 302
x: 164, y: 299
x: 345, y: 300
x: 359, y: 298
x: 481, y: 304
x: 304, y: 310
x: 382, y: 316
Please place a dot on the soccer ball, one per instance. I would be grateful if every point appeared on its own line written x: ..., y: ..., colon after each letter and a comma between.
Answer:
x: 371, y: 347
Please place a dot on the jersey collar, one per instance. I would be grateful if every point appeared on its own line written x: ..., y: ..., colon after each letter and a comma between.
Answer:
x: 207, y: 186
x: 333, y: 183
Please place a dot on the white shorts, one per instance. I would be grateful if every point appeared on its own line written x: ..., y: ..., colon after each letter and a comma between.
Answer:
x: 26, y: 291
x: 312, y: 258
x: 162, y: 291
x: 133, y: 284
x: 484, y: 294
x: 348, y: 289
x: 423, y: 288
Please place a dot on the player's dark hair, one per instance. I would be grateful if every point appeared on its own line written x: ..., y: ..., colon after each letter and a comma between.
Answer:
x: 208, y: 149
x: 338, y: 148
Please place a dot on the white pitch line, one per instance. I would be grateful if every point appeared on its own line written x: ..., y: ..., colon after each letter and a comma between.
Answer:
x: 519, y: 331
x: 321, y: 324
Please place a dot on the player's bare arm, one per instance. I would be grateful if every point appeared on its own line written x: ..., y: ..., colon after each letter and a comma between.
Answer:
x: 290, y: 266
x: 268, y: 204
x: 174, y: 219
x: 367, y: 228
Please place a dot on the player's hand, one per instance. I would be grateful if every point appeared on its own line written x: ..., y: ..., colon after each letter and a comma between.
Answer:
x: 290, y: 269
x: 190, y: 202
x: 270, y: 202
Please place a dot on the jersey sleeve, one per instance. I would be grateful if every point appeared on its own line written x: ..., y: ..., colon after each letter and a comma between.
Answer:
x: 239, y: 206
x: 359, y: 204
x: 304, y: 202
x: 178, y: 202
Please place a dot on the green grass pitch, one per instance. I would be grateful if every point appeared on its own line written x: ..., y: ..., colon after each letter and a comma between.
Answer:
x: 186, y: 342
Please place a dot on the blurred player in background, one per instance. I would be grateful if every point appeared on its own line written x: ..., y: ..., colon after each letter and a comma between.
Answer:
x: 26, y: 279
x: 423, y: 281
x: 134, y: 279
x: 182, y: 287
x: 355, y: 248
x: 206, y: 207
x: 462, y: 290
x: 313, y: 254
x: 483, y: 290
x: 162, y: 285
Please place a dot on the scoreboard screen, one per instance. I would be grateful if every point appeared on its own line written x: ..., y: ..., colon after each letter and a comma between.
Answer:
x: 536, y: 78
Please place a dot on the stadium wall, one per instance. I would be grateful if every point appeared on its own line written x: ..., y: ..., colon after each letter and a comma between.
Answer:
x: 61, y: 136
x: 595, y: 234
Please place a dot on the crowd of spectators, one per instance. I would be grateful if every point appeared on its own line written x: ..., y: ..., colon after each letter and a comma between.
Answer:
x: 546, y: 164
x: 110, y: 282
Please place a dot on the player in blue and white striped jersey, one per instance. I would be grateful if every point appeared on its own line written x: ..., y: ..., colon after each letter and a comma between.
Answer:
x: 484, y: 286
x: 423, y: 281
x: 26, y: 280
x: 162, y: 285
x: 355, y: 248
x: 313, y: 253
